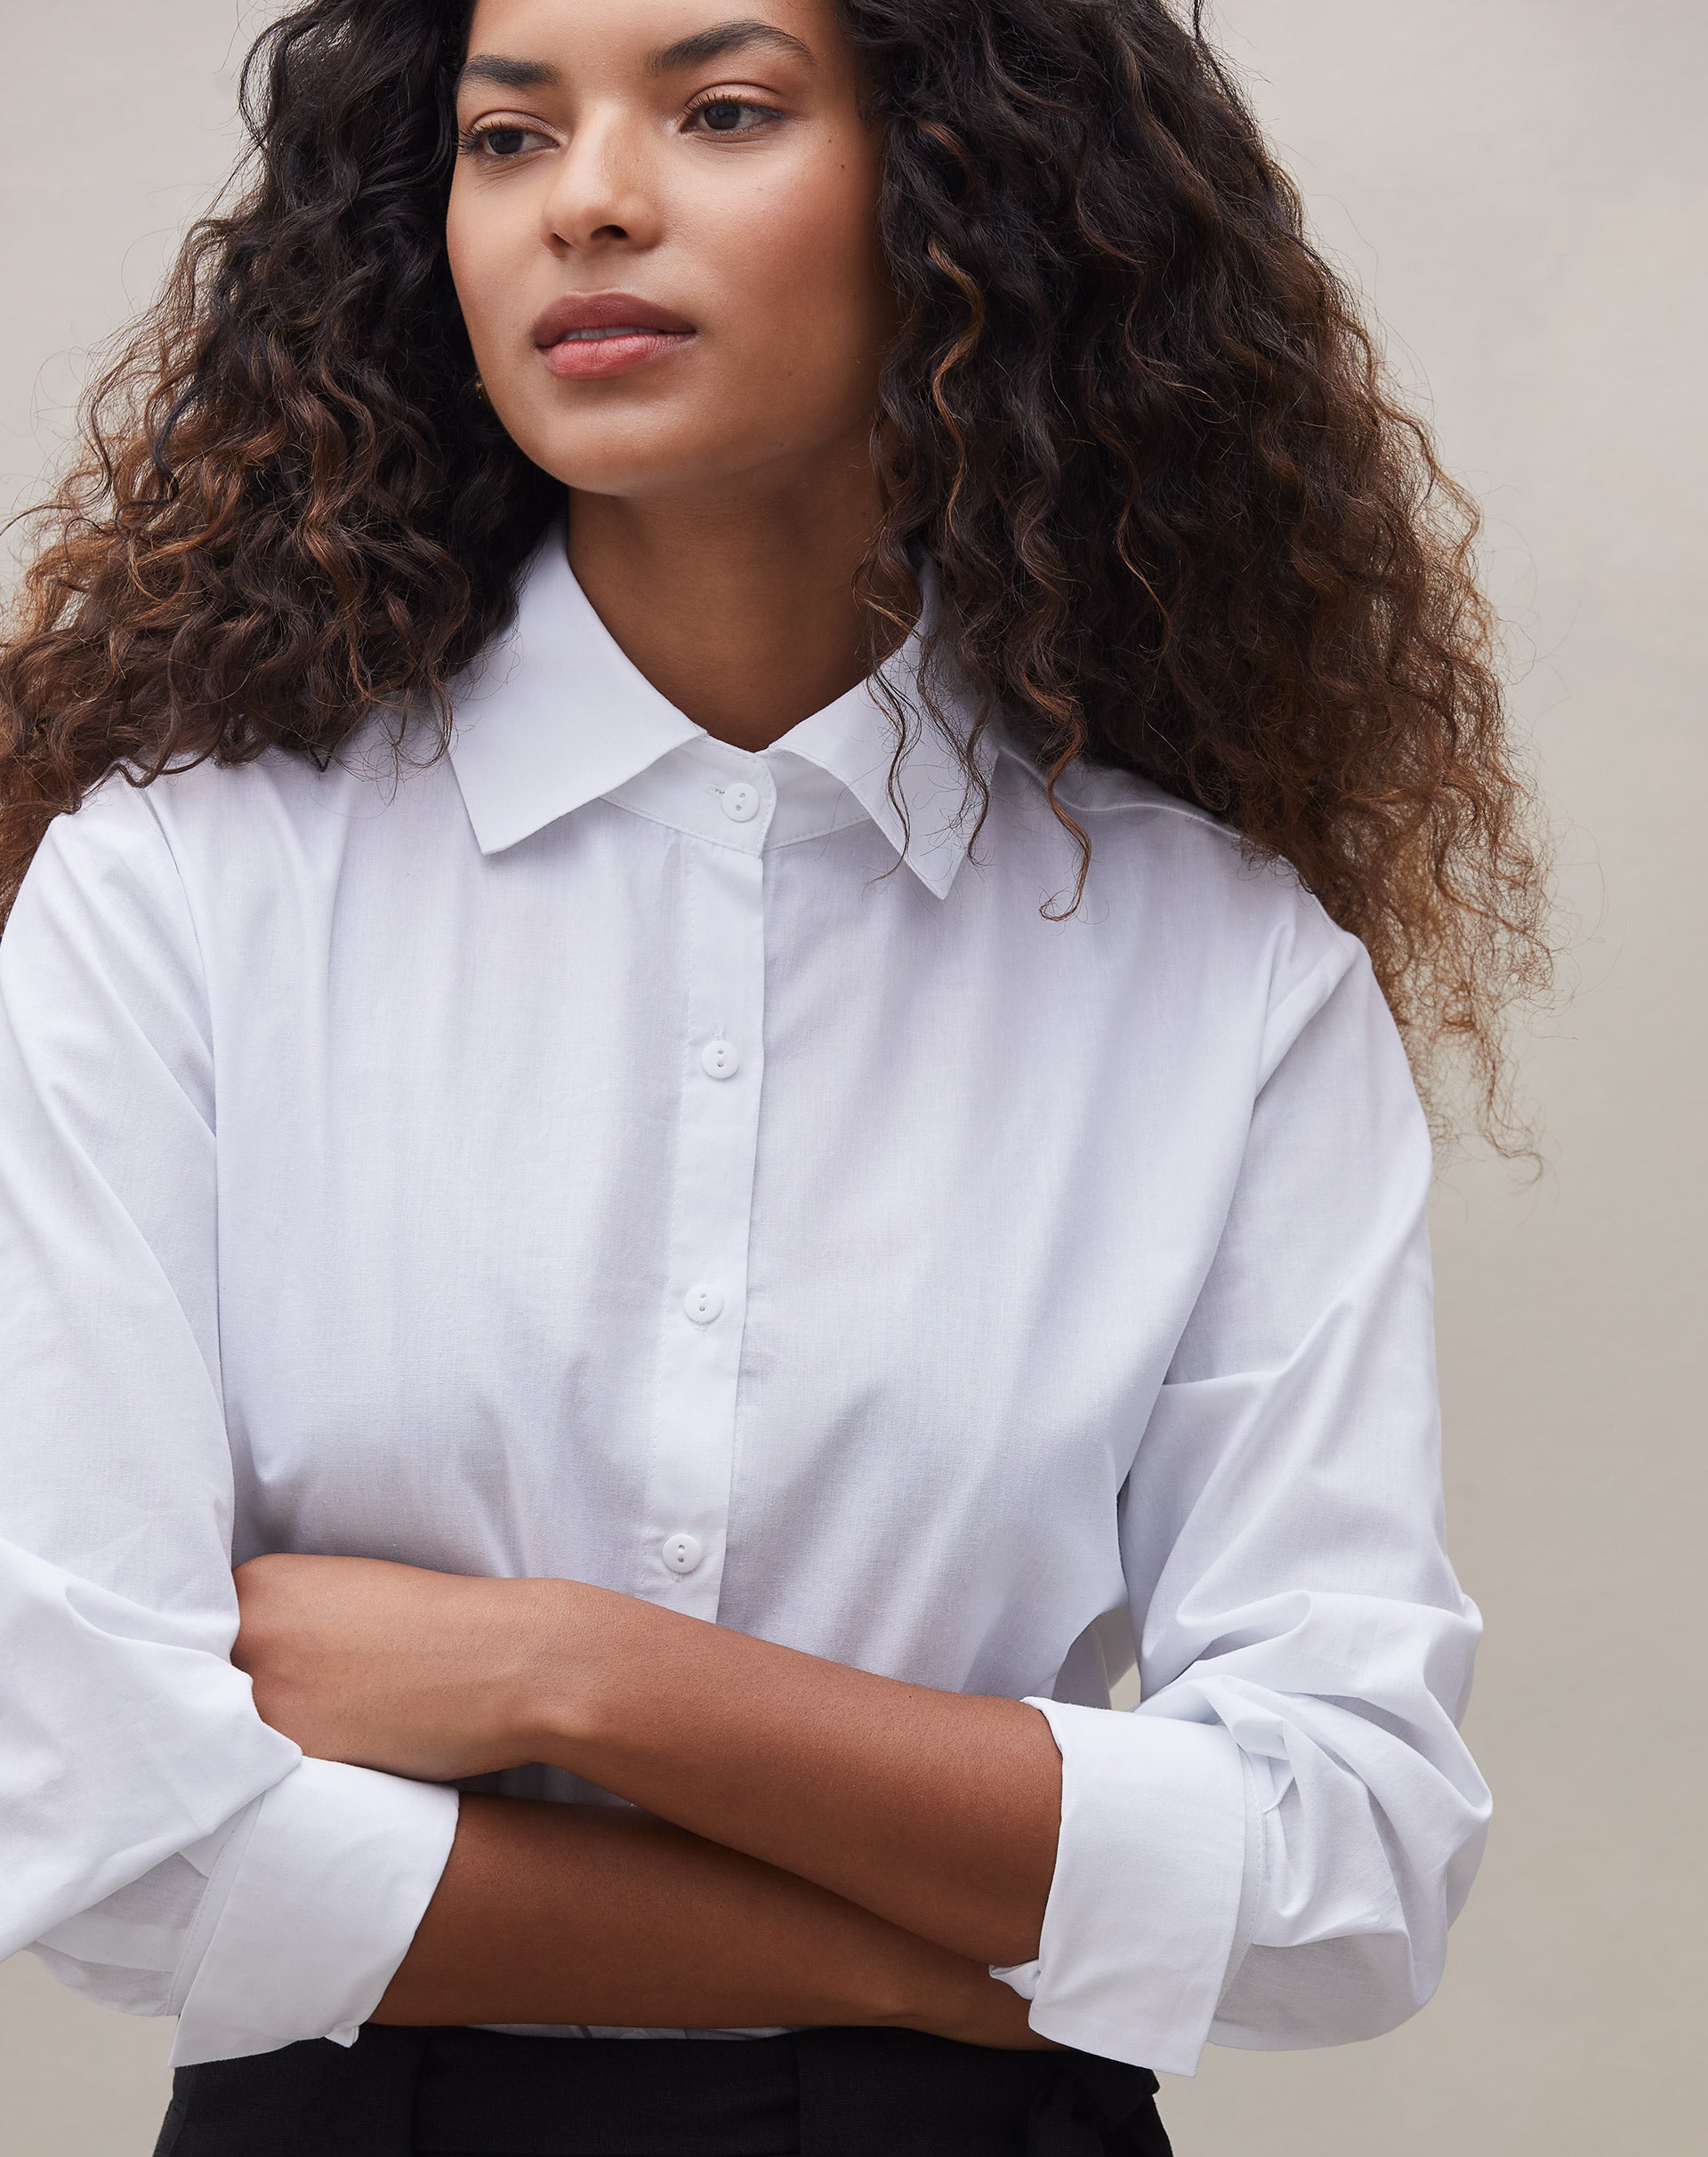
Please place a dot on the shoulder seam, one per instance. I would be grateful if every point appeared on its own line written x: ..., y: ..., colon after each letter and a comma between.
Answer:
x: 145, y: 804
x: 1159, y: 802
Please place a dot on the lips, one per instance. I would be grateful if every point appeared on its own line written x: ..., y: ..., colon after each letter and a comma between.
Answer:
x: 587, y: 336
x: 593, y: 314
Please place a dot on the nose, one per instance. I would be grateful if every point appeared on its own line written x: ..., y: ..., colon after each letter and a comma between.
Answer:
x: 602, y: 194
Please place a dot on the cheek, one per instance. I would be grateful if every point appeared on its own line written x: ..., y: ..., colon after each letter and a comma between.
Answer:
x: 481, y: 251
x: 810, y: 309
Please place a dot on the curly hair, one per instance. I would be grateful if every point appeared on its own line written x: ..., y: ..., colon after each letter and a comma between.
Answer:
x: 1182, y: 524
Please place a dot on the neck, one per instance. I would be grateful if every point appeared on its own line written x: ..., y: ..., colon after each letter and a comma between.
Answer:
x: 737, y: 603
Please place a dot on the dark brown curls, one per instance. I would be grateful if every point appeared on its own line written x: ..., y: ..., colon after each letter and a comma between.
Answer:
x: 1182, y: 524
x: 292, y: 505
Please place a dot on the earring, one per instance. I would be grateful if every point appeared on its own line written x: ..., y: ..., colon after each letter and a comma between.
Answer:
x: 481, y: 392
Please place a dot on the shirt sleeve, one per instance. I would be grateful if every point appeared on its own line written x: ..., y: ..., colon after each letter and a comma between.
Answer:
x: 167, y: 1851
x: 1267, y: 1851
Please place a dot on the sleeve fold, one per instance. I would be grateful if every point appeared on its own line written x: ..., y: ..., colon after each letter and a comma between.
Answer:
x: 165, y: 1850
x: 1152, y: 1855
x: 1269, y: 1851
x: 309, y: 1911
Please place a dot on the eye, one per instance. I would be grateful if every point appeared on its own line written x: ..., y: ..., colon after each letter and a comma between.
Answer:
x: 722, y: 114
x: 501, y: 142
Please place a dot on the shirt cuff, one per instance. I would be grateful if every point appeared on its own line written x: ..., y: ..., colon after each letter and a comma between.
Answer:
x: 310, y: 1908
x: 1145, y: 1903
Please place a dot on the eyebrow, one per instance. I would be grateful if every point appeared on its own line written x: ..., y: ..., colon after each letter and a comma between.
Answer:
x: 722, y: 39
x: 718, y: 42
x: 508, y: 74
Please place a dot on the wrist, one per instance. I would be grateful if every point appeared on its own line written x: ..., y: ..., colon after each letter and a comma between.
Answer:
x: 918, y: 1985
x: 569, y: 1645
x: 965, y: 2002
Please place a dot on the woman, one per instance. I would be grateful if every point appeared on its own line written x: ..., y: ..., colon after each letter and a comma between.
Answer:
x: 720, y: 798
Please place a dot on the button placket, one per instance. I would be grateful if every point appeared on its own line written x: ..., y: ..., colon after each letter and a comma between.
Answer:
x: 686, y: 1524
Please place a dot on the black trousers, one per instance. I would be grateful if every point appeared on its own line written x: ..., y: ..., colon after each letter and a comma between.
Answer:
x: 815, y: 2093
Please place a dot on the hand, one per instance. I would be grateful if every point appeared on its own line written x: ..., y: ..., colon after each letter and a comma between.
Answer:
x: 423, y: 1674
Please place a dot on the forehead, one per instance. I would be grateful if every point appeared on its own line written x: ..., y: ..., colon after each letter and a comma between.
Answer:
x: 585, y: 33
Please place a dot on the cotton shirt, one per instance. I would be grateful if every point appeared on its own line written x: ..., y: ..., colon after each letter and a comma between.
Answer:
x: 590, y: 1155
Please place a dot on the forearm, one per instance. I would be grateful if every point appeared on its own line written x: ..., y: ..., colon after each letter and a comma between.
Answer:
x: 937, y: 1811
x: 552, y: 1914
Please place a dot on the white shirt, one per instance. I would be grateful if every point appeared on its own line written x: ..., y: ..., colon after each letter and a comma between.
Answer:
x: 591, y: 1155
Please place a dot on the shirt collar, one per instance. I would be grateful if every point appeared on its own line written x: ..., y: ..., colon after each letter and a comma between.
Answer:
x: 554, y: 715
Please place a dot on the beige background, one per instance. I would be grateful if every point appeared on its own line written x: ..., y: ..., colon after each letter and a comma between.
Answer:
x: 1520, y: 183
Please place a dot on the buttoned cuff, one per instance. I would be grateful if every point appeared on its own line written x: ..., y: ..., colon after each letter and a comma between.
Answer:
x: 310, y: 1910
x: 1145, y: 1903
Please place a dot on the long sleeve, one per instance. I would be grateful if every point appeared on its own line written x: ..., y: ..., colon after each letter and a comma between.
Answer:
x: 165, y: 1849
x: 1269, y: 1851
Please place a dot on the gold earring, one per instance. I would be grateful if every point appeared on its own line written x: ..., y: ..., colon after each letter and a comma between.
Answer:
x: 481, y: 392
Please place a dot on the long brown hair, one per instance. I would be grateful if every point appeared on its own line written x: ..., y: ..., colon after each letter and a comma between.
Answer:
x: 1182, y: 526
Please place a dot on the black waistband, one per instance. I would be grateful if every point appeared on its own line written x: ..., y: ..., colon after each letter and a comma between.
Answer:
x: 815, y: 2093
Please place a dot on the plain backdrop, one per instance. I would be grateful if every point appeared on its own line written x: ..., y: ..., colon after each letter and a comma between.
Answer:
x: 1518, y: 185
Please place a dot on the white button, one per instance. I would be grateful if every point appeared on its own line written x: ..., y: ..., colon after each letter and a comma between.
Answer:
x: 741, y: 803
x: 682, y: 1553
x: 703, y: 1304
x: 719, y: 1060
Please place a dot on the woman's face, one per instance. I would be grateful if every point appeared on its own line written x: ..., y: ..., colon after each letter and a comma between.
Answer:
x: 663, y: 230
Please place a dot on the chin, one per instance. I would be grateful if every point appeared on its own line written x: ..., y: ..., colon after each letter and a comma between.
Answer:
x: 646, y: 461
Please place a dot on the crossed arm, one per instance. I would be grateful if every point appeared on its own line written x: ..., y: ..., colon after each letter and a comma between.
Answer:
x: 814, y: 1844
